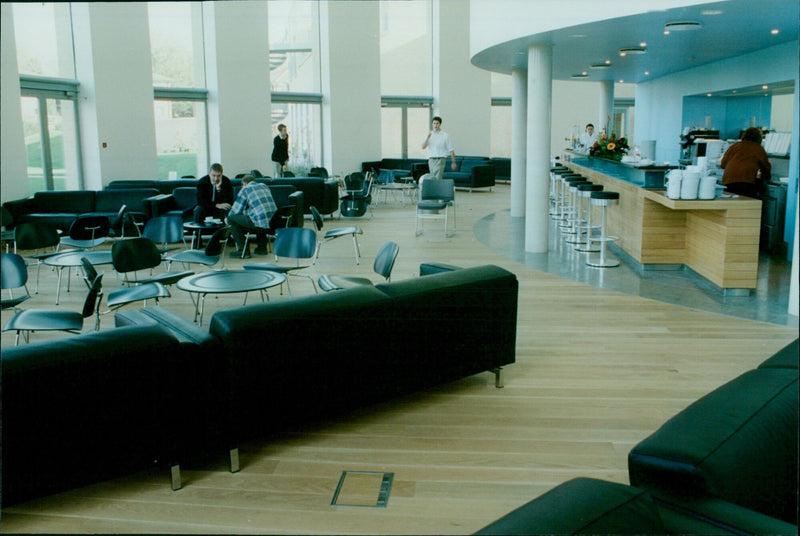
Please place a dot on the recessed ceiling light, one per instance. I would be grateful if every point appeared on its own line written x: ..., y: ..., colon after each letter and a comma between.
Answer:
x: 682, y: 26
x: 621, y: 81
x: 647, y: 73
x: 708, y: 94
x: 774, y: 31
x: 643, y: 44
x: 632, y: 50
x: 765, y: 86
x: 608, y: 62
x: 666, y: 32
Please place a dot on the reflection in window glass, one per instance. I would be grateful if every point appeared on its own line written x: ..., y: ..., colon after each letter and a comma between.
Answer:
x: 391, y: 132
x: 303, y: 122
x: 294, y: 46
x: 43, y: 35
x: 419, y: 124
x: 406, y: 48
x: 177, y: 54
x: 501, y: 132
x: 181, y: 143
x: 52, y: 156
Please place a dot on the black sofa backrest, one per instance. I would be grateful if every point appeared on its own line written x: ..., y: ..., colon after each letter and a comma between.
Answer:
x: 738, y: 443
x: 77, y: 201
x: 83, y: 409
x: 111, y: 200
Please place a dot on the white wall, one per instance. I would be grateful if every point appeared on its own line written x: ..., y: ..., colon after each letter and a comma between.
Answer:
x: 237, y: 77
x: 13, y: 164
x: 659, y: 103
x: 351, y: 85
x: 112, y: 62
x: 461, y: 92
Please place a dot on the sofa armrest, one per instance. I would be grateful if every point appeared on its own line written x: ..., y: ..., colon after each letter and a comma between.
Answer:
x: 159, y: 205
x: 482, y: 176
x: 20, y: 207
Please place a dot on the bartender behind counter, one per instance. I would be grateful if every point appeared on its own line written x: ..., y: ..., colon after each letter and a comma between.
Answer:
x: 741, y: 163
x: 588, y: 138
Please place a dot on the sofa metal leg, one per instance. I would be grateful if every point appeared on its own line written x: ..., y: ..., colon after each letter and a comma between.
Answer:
x: 498, y: 377
x: 175, y: 476
x: 233, y: 459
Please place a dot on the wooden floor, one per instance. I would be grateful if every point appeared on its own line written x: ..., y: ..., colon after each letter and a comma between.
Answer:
x: 596, y: 372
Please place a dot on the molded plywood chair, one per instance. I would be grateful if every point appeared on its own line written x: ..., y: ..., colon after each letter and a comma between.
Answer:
x: 59, y: 320
x: 293, y: 243
x: 208, y: 256
x: 436, y: 198
x: 33, y: 236
x: 134, y: 254
x: 384, y: 262
x: 358, y: 195
x: 165, y: 230
x: 13, y: 274
x: 333, y: 234
x: 87, y: 232
x: 120, y: 298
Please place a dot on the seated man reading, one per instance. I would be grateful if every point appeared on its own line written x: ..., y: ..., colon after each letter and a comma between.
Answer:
x: 252, y: 210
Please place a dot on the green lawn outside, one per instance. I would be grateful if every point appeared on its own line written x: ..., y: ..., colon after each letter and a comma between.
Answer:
x: 183, y: 163
x: 33, y: 151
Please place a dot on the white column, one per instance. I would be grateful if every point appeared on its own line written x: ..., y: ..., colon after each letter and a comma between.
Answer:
x: 237, y: 78
x: 519, y: 143
x: 540, y: 96
x: 14, y: 171
x: 351, y: 84
x: 606, y: 104
x: 113, y: 63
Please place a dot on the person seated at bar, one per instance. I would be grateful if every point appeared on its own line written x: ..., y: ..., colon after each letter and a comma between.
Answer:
x: 742, y: 162
x: 214, y: 195
x: 588, y: 138
x: 252, y: 211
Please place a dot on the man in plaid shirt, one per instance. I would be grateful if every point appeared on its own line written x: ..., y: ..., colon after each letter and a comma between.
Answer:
x: 252, y: 210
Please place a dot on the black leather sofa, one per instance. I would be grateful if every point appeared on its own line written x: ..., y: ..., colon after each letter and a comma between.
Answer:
x: 60, y: 208
x: 317, y: 191
x: 87, y: 408
x: 182, y: 200
x: 91, y: 407
x: 502, y: 168
x: 727, y: 464
x: 471, y: 171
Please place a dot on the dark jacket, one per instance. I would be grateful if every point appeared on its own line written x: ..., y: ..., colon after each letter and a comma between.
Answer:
x: 205, y: 197
x: 280, y: 149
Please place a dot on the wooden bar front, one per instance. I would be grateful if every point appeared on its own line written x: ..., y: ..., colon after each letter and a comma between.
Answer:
x: 716, y: 238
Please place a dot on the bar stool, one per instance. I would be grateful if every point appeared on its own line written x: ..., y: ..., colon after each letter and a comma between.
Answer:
x: 586, y: 192
x: 575, y: 222
x: 603, y: 199
x: 567, y: 207
x: 556, y: 176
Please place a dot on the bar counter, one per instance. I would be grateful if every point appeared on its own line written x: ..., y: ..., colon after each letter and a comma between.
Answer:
x: 716, y: 238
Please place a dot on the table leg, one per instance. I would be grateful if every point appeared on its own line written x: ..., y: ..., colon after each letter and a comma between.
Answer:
x: 202, y: 307
x: 58, y: 288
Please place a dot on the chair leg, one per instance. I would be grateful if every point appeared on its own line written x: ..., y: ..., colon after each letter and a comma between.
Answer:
x: 358, y: 251
x: 175, y: 477
x: 233, y: 460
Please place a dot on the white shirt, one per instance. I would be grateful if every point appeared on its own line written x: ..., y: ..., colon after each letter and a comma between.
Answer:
x: 439, y: 145
x: 588, y: 140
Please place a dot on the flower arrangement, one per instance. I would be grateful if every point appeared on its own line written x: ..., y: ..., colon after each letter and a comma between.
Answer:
x: 609, y: 147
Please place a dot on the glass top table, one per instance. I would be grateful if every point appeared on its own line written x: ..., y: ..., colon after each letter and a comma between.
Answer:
x: 228, y: 282
x: 68, y: 259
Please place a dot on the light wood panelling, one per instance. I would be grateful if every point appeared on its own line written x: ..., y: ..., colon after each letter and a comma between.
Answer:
x: 596, y: 372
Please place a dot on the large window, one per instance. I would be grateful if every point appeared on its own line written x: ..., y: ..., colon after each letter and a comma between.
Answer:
x: 404, y: 124
x: 501, y: 116
x: 43, y: 35
x: 294, y: 46
x: 406, y: 42
x: 50, y: 126
x: 295, y: 80
x: 303, y: 120
x: 176, y: 43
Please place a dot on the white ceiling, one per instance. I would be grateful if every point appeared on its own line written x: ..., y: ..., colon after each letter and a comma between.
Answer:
x: 728, y: 29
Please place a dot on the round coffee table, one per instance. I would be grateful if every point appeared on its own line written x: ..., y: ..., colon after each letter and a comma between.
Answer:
x: 228, y: 282
x: 68, y: 259
x: 198, y: 228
